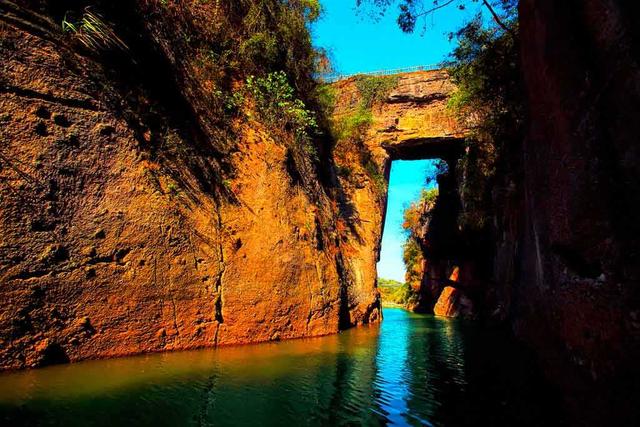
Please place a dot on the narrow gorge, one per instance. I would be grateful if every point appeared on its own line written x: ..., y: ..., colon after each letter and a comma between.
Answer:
x: 153, y: 199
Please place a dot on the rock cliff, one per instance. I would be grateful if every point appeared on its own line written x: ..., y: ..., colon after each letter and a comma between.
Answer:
x: 132, y: 221
x: 565, y: 237
x: 572, y: 227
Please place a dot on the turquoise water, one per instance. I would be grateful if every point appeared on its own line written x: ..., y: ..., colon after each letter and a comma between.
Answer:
x: 412, y: 370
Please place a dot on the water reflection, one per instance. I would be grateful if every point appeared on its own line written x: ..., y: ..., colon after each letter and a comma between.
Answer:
x: 394, y: 368
x: 415, y: 370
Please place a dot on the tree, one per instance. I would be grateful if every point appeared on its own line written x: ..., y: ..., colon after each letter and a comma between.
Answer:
x: 412, y: 11
x: 485, y: 67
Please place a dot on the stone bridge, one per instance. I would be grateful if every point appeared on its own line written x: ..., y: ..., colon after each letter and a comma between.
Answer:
x: 412, y: 123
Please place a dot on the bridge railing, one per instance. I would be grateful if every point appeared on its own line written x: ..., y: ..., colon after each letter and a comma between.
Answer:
x: 334, y: 77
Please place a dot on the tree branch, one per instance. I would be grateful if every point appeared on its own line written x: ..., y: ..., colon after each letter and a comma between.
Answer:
x: 498, y: 20
x: 494, y: 14
x: 433, y: 9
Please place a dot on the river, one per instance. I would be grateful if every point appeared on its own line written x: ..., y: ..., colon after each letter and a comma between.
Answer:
x: 410, y: 370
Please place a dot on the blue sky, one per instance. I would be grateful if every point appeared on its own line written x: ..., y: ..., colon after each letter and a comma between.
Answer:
x: 358, y: 44
x: 405, y: 184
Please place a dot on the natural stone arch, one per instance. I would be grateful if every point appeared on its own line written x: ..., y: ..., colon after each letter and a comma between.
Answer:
x: 411, y: 123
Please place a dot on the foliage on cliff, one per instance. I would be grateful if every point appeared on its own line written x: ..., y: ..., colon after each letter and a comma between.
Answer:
x: 415, y: 225
x: 419, y: 210
x: 350, y: 130
x: 371, y: 90
x: 226, y: 59
x: 278, y: 106
x: 486, y: 70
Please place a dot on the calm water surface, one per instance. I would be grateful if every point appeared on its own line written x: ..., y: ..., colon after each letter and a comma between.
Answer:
x: 412, y: 370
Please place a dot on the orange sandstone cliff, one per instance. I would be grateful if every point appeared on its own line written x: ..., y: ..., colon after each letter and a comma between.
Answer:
x: 130, y: 223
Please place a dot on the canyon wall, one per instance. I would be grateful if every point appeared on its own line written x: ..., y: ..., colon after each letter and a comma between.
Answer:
x: 109, y: 248
x: 572, y: 230
x: 565, y: 249
x: 129, y: 222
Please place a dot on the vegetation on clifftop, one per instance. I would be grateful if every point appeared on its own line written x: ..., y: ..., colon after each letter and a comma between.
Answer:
x: 350, y: 130
x: 371, y: 90
x: 486, y: 70
x: 278, y: 107
x: 220, y: 64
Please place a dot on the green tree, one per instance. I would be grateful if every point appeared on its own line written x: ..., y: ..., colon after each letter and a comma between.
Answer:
x: 276, y: 102
x: 486, y: 69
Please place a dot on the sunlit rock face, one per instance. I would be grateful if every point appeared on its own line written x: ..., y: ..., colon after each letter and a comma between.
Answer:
x: 412, y: 122
x: 107, y: 249
x: 453, y: 303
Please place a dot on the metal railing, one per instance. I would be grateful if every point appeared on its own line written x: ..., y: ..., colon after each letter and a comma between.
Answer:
x: 332, y: 78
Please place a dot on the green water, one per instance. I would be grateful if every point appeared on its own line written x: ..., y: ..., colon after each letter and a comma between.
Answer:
x: 412, y: 370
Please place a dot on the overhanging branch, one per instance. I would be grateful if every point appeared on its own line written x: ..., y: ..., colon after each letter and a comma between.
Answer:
x: 498, y: 20
x: 494, y: 14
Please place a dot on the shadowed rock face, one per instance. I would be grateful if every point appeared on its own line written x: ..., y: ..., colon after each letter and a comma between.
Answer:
x: 581, y: 161
x: 567, y: 237
x: 576, y: 293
